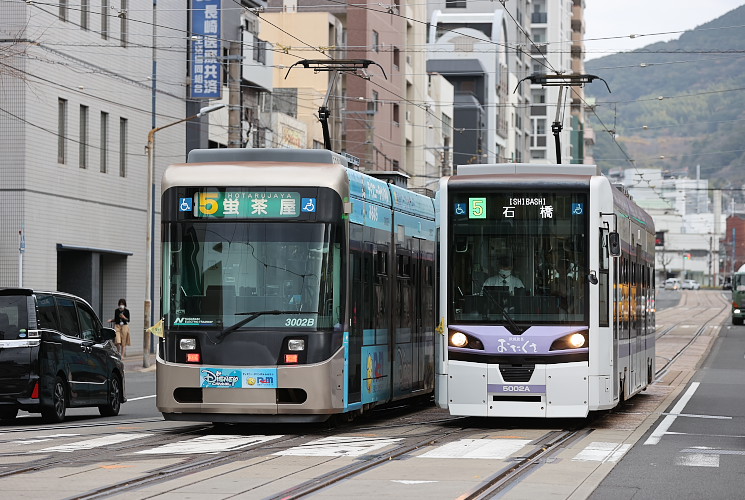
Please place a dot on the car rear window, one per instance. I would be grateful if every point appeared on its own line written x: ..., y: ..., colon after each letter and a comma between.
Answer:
x: 68, y: 317
x: 48, y: 319
x: 13, y: 316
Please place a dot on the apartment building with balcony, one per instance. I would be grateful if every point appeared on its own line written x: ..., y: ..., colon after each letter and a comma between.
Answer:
x: 480, y: 50
x: 551, y: 33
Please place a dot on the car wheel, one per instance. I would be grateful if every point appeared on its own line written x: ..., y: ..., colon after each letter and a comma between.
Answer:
x: 111, y: 409
x: 56, y: 412
x: 737, y: 321
x: 8, y: 413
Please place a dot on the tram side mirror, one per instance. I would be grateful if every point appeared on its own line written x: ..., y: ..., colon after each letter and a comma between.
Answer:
x: 592, y: 278
x: 614, y: 244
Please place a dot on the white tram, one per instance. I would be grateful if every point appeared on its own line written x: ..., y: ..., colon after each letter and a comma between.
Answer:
x: 546, y: 292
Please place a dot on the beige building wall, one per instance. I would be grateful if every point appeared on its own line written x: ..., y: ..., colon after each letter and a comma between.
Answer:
x: 283, y: 30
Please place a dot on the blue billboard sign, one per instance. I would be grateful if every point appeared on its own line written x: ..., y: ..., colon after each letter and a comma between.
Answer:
x: 206, y: 74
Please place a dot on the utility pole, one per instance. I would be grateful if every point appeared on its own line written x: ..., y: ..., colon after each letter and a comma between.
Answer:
x: 234, y: 61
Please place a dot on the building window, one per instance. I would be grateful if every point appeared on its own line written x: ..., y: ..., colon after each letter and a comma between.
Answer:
x: 259, y: 51
x: 85, y: 14
x: 396, y: 120
x: 396, y: 57
x: 104, y: 146
x: 376, y: 41
x: 455, y: 4
x: 63, y: 10
x: 105, y: 19
x: 83, y: 141
x: 372, y: 105
x: 61, y: 130
x: 123, y: 23
x: 122, y: 147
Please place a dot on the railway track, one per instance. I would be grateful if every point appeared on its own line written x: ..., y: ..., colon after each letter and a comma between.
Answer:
x: 413, y: 432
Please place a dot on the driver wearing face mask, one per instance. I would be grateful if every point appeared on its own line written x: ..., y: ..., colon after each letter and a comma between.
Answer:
x: 504, y: 277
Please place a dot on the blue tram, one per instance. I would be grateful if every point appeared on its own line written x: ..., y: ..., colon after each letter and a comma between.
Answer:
x: 294, y: 288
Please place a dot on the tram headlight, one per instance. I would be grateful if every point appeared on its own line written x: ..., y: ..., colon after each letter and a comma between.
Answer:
x: 187, y: 344
x: 577, y: 340
x: 464, y: 341
x: 458, y: 339
x: 296, y: 345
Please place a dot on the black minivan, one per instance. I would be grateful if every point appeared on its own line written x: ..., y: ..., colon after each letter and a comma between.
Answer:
x: 55, y: 354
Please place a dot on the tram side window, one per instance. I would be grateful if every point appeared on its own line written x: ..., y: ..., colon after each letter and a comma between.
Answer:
x: 603, y: 278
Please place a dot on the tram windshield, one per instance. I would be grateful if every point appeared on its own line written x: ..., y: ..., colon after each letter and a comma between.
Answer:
x: 518, y: 257
x: 218, y: 273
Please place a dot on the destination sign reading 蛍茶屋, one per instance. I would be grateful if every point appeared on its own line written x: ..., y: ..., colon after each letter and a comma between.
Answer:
x: 247, y: 205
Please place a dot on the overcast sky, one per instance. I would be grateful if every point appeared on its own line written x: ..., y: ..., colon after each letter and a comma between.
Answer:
x: 621, y: 18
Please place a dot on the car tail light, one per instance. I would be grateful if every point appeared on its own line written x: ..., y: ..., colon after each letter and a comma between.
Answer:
x: 193, y: 357
x: 35, y: 392
x: 292, y: 358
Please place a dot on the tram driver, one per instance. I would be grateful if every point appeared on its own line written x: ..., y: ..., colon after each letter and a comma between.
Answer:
x: 504, y: 277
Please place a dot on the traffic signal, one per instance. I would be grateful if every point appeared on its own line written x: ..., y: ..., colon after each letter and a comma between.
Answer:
x: 659, y: 239
x: 687, y: 256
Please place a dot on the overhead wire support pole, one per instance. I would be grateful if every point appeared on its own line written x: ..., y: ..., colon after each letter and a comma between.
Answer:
x: 335, y: 66
x: 561, y: 81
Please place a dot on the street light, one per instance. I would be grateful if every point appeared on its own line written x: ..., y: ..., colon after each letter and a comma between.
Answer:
x: 150, y: 250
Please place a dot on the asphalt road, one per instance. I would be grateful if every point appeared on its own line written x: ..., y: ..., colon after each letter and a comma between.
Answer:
x: 697, y: 450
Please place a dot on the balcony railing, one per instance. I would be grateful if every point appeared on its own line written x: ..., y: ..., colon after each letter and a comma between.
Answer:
x: 539, y: 17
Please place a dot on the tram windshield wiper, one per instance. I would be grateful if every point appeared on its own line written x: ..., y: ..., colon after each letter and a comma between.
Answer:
x: 513, y: 326
x: 253, y: 315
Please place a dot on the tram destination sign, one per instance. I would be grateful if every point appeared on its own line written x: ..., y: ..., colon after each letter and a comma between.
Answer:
x: 247, y: 204
x: 527, y: 206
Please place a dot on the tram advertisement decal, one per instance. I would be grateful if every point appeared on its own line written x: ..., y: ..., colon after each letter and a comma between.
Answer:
x: 250, y: 205
x: 246, y: 378
x: 375, y: 369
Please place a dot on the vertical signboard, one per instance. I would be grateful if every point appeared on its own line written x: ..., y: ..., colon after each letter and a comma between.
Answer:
x: 206, y: 74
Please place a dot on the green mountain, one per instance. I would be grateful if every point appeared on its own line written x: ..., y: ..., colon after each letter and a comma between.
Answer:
x: 700, y: 118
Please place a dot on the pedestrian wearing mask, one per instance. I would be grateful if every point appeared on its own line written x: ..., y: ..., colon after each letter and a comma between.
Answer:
x: 121, y: 326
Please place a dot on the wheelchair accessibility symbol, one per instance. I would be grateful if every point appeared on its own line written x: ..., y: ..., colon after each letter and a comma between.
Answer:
x: 578, y: 208
x: 460, y: 209
x: 184, y: 204
x: 308, y: 205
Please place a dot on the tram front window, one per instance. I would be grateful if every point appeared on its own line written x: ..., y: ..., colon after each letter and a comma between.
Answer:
x: 523, y: 256
x: 218, y: 273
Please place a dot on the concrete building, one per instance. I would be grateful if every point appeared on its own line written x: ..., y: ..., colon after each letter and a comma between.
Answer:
x: 301, y: 92
x: 470, y: 50
x: 689, y: 224
x: 384, y: 115
x: 73, y: 168
x: 551, y: 32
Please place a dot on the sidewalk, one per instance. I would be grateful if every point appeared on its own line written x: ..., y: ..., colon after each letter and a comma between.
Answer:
x: 134, y: 363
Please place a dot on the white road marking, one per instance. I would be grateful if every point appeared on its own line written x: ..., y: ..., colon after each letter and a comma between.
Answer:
x: 602, y: 452
x: 695, y: 458
x: 42, y: 439
x: 141, y: 397
x: 94, y: 443
x: 661, y: 429
x: 403, y: 481
x: 340, y: 446
x: 495, y: 449
x: 691, y: 415
x: 207, y: 444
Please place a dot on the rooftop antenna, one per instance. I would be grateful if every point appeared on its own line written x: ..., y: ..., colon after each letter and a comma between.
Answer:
x: 561, y: 81
x: 335, y: 66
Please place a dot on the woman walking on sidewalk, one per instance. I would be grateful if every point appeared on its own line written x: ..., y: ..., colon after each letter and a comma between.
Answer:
x: 121, y: 326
